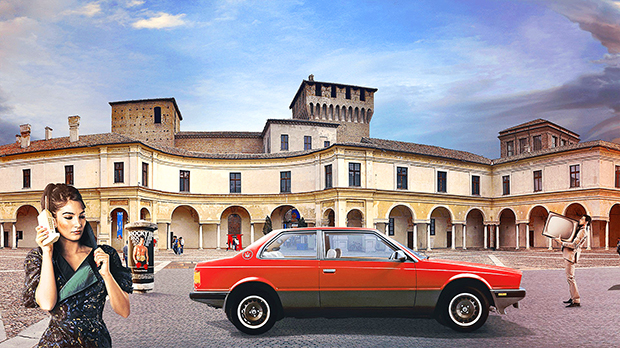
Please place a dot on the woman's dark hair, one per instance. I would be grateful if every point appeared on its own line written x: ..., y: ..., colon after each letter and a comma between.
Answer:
x: 588, y: 219
x: 56, y: 196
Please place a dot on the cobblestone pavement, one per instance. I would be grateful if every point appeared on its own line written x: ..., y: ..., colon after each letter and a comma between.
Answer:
x: 170, y: 304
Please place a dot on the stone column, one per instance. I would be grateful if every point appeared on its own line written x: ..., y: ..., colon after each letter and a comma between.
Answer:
x: 219, y: 238
x: 13, y: 236
x: 1, y: 235
x: 517, y: 235
x: 464, y: 229
x: 428, y: 237
x: 251, y: 232
x: 386, y: 228
x: 415, y: 237
x: 606, y: 236
x: 486, y: 236
x: 453, y: 236
x: 168, y: 240
x: 200, y: 237
x: 527, y: 237
x: 496, y: 229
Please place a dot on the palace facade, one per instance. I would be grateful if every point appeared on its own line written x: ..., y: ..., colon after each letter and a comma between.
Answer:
x: 319, y: 167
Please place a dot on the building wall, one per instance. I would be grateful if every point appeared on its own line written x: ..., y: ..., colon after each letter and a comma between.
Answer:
x: 296, y: 133
x: 220, y: 144
x: 136, y: 119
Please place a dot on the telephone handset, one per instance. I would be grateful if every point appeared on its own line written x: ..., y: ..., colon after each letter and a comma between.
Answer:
x: 46, y: 219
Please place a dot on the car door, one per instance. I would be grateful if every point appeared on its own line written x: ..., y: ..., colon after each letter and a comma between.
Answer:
x: 290, y: 263
x: 356, y: 272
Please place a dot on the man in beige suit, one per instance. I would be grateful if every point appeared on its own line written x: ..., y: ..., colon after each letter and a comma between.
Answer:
x: 571, y: 251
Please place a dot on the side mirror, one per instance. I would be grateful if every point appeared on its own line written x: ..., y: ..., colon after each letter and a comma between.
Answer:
x: 399, y: 256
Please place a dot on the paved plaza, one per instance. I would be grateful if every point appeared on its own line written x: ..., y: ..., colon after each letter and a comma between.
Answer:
x: 166, y: 317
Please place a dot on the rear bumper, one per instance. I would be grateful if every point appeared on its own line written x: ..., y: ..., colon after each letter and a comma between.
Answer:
x: 507, y: 297
x: 212, y: 298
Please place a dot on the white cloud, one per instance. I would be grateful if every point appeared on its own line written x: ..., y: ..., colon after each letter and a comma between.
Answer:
x: 161, y: 21
x: 89, y: 10
x: 134, y: 3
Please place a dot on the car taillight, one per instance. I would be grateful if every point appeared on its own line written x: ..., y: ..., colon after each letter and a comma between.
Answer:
x: 196, y: 278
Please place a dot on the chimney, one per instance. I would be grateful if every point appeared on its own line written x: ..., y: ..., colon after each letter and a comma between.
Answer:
x: 48, y: 133
x: 74, y: 126
x: 311, y: 77
x: 18, y: 138
x: 24, y: 129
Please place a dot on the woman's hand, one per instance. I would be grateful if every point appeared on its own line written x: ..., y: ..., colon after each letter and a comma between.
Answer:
x: 557, y: 239
x: 103, y: 260
x: 42, y: 234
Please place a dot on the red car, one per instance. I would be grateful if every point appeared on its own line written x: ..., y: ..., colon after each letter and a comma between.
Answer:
x: 344, y: 272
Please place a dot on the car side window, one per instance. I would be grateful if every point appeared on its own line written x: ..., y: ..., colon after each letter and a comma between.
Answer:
x: 291, y: 245
x: 356, y: 245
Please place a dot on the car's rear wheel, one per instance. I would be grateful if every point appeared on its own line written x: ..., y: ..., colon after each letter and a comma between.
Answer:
x: 465, y: 310
x: 252, y: 313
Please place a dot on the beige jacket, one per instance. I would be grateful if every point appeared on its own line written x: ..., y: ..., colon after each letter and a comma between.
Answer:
x: 572, y: 250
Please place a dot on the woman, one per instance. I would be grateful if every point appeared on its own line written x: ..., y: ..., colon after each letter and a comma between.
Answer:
x: 570, y: 252
x: 72, y: 277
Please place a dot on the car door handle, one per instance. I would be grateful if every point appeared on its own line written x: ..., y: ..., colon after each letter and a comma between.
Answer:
x: 329, y: 270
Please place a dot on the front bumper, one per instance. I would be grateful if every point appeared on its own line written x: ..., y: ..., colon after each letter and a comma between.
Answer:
x: 507, y: 297
x: 212, y: 298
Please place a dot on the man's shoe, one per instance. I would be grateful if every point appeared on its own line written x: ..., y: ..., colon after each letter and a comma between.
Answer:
x: 569, y: 301
x: 574, y: 305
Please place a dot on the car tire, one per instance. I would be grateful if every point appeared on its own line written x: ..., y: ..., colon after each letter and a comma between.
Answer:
x: 253, y: 313
x: 465, y: 310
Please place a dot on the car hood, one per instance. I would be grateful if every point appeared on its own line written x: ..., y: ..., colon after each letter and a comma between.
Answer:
x: 469, y: 266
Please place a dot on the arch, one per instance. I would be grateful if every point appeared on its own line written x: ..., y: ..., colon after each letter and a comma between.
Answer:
x: 285, y: 216
x: 331, y: 112
x: 356, y: 115
x: 368, y: 115
x: 337, y: 112
x: 185, y: 222
x: 118, y: 218
x: 507, y: 231
x: 324, y: 113
x: 311, y: 109
x: 400, y: 219
x: 145, y: 214
x: 355, y: 218
x: 474, y: 228
x: 537, y: 219
x: 241, y: 224
x: 363, y: 113
x: 614, y: 224
x: 329, y: 217
x: 441, y: 226
x: 350, y: 114
x: 25, y: 224
x: 575, y: 211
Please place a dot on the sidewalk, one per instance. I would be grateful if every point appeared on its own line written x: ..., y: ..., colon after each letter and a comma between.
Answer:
x: 11, y: 268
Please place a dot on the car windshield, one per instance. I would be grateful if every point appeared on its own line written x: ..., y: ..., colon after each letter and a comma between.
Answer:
x: 417, y: 254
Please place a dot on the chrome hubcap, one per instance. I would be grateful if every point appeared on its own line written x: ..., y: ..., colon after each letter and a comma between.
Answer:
x: 253, y: 311
x: 465, y: 309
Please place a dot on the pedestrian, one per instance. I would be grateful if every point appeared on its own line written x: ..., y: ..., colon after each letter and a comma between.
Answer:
x: 181, y: 245
x: 72, y: 277
x: 125, y: 251
x: 570, y: 252
x: 175, y: 246
x: 618, y: 247
x: 235, y: 243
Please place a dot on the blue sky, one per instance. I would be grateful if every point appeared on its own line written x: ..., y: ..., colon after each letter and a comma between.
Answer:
x: 448, y: 73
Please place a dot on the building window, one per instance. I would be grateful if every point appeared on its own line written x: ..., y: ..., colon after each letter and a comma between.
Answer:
x: 307, y: 142
x: 235, y: 182
x: 69, y: 175
x: 145, y: 174
x: 326, y: 143
x: 510, y: 148
x: 554, y: 141
x: 401, y: 178
x: 574, y: 175
x: 475, y: 185
x: 26, y: 178
x: 537, y: 143
x: 334, y: 91
x: 391, y: 227
x: 284, y: 142
x: 119, y: 172
x: 537, y: 180
x: 157, y: 114
x: 328, y: 176
x: 618, y: 176
x: 506, y: 185
x: 563, y: 141
x: 184, y: 181
x: 432, y: 227
x: 355, y: 174
x: 522, y: 145
x: 285, y: 182
x: 362, y: 95
x: 348, y: 93
x: 441, y: 181
x: 317, y: 89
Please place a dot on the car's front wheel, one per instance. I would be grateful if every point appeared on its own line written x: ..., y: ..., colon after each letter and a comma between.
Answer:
x: 465, y: 310
x: 252, y: 313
